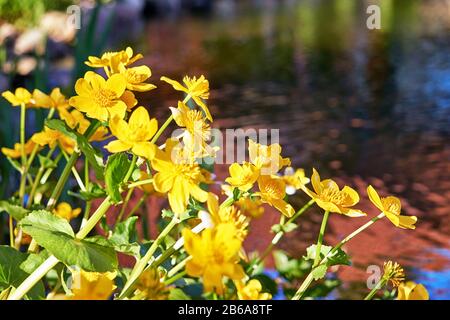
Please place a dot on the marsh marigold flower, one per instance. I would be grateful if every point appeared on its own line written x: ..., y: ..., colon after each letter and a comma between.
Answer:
x: 391, y: 207
x: 110, y: 61
x: 197, y: 89
x: 251, y: 290
x: 272, y: 191
x: 393, y: 272
x: 242, y: 176
x: 215, y: 254
x: 100, y: 98
x: 65, y: 211
x: 52, y: 137
x: 151, y: 286
x: 136, y: 77
x: 134, y: 135
x: 177, y: 178
x: 92, y: 285
x: 16, y: 152
x: 251, y: 207
x: 196, y: 133
x: 294, y: 179
x: 227, y: 215
x: 329, y: 197
x: 21, y: 95
x: 53, y: 100
x: 267, y: 158
x: 412, y: 291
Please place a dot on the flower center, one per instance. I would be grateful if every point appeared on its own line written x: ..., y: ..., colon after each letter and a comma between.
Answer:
x: 334, y: 195
x: 104, y: 97
x: 390, y: 206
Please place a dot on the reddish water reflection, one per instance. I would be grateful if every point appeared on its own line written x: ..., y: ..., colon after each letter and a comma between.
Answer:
x: 364, y: 106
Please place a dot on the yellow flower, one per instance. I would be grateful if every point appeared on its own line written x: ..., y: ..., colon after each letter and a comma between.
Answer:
x: 177, y: 178
x: 51, y: 137
x: 197, y: 131
x: 294, y: 180
x: 242, y: 176
x: 92, y: 285
x: 393, y: 272
x: 65, y: 211
x: 412, y: 291
x: 111, y: 61
x: 136, y: 78
x: 134, y: 135
x: 197, y: 89
x: 251, y: 291
x: 151, y: 287
x: 17, y: 151
x: 227, y: 215
x: 391, y: 207
x: 100, y: 98
x: 329, y: 197
x: 267, y: 158
x: 75, y: 119
x: 250, y: 207
x: 20, y: 96
x: 54, y: 100
x: 215, y: 254
x: 272, y: 190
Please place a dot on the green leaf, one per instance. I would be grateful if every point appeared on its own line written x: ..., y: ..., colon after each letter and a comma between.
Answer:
x: 46, y: 163
x: 94, y: 191
x: 115, y: 171
x: 339, y: 257
x: 61, y: 126
x: 14, y: 210
x: 14, y: 269
x: 56, y: 235
x: 319, y: 272
x: 290, y: 268
x: 124, y: 237
x: 283, y: 228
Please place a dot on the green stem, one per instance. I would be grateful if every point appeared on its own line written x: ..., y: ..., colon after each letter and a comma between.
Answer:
x: 96, y: 216
x: 228, y: 202
x: 377, y: 287
x: 161, y: 130
x: 141, y: 264
x: 11, y: 231
x: 33, y: 278
x: 38, y: 178
x: 131, y: 168
x: 22, y: 152
x: 175, y: 278
x: 178, y: 267
x: 138, y: 204
x: 320, y: 239
x: 124, y: 205
x: 307, y: 282
x: 140, y: 183
x: 62, y: 181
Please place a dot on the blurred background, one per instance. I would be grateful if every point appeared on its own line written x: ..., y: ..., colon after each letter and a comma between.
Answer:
x: 362, y: 106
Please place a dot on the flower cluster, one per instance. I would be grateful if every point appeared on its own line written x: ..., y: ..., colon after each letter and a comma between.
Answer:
x: 203, y: 243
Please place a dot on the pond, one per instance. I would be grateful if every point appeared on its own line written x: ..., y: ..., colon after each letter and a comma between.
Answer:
x: 367, y: 106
